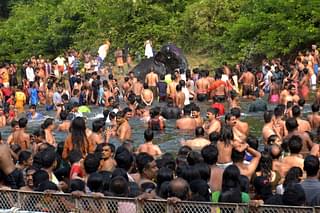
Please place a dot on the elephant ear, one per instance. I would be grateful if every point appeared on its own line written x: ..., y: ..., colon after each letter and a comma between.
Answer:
x: 160, y: 58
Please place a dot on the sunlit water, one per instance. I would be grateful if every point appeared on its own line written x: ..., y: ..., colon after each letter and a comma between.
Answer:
x: 169, y: 139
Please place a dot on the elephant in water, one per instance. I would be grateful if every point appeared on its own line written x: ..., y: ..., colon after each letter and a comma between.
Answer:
x: 165, y: 61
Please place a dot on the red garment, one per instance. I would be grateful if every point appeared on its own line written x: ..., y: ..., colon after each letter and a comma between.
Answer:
x: 76, y: 169
x: 10, y: 101
x: 220, y: 107
x: 12, y: 114
x: 216, y: 84
x: 6, y: 91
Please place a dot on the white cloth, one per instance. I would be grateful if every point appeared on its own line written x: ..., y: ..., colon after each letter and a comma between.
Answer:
x: 60, y: 60
x: 186, y: 95
x: 148, y: 50
x: 103, y: 49
x: 30, y: 74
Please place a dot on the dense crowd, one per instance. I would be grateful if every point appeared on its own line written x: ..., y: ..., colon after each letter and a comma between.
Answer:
x: 222, y: 163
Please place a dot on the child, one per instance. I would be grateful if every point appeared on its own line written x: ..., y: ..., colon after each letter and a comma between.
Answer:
x: 76, y: 172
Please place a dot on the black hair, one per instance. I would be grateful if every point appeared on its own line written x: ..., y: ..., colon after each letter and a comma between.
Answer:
x: 235, y: 111
x: 210, y: 154
x: 97, y: 125
x: 91, y: 163
x: 267, y: 116
x: 279, y: 110
x: 120, y: 172
x: 148, y: 135
x: 237, y: 156
x: 47, y: 185
x: 194, y: 157
x: 294, y: 195
x: 39, y: 176
x: 291, y: 124
x: 95, y: 182
x: 119, y: 186
x: 200, y: 191
x: 63, y: 115
x: 189, y: 173
x: 311, y: 165
x: 199, y: 131
x: 295, y: 144
x: 142, y: 161
x: 184, y: 151
x: 226, y: 134
x: 204, y: 171
x: 124, y: 159
x: 296, y: 111
x: 230, y: 190
x: 164, y: 174
x: 214, y: 137
x: 74, y: 156
x: 187, y: 109
x: 315, y: 107
x: 77, y: 185
x: 294, y: 175
x: 181, y: 193
x: 48, y: 157
x: 23, y: 122
x: 253, y: 142
x: 24, y: 156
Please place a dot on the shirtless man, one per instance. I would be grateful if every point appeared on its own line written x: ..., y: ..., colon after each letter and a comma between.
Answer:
x: 148, y: 146
x: 65, y: 125
x: 107, y: 163
x: 123, y: 130
x: 195, y: 113
x: 295, y: 158
x: 241, y: 129
x: 186, y: 122
x: 14, y: 177
x: 147, y: 95
x: 238, y: 157
x: 291, y: 96
x: 269, y: 127
x: 303, y: 125
x: 218, y: 88
x: 314, y: 118
x: 107, y: 93
x: 97, y: 136
x: 213, y: 125
x: 202, y: 86
x: 14, y: 127
x: 3, y: 120
x: 171, y: 88
x: 20, y: 137
x: 292, y: 127
x: 180, y: 97
x: 152, y: 80
x: 126, y: 86
x: 284, y: 93
x: 197, y: 143
x: 248, y: 81
x: 137, y: 88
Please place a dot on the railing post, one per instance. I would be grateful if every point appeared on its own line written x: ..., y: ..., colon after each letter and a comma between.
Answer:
x: 139, y: 206
x: 77, y: 205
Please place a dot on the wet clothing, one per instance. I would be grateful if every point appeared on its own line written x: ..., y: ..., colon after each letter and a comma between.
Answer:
x: 202, y: 97
x: 171, y: 112
x: 34, y: 99
x: 162, y: 87
x: 220, y: 107
x: 154, y: 123
x: 15, y: 179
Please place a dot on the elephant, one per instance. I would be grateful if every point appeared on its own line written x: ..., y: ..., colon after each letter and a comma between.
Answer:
x: 169, y: 58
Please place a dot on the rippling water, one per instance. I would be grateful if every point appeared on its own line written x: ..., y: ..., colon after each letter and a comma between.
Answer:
x: 169, y: 139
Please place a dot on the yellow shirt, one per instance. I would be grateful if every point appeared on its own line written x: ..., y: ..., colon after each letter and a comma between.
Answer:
x: 20, y: 99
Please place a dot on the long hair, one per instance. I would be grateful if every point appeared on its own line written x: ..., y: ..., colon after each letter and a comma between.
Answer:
x: 231, y: 189
x: 266, y: 165
x: 78, y: 134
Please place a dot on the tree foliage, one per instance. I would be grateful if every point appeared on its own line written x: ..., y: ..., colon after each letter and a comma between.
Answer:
x: 224, y: 30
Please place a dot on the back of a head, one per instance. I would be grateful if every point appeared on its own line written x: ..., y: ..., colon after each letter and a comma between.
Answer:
x: 91, y: 163
x: 200, y: 190
x: 315, y: 107
x: 23, y: 122
x: 187, y: 109
x: 164, y: 174
x: 189, y: 173
x: 279, y: 110
x: 296, y: 112
x: 311, y: 165
x: 230, y: 178
x: 253, y: 142
x: 124, y: 159
x: 120, y: 172
x: 95, y: 182
x: 179, y: 188
x: 77, y: 185
x: 214, y: 137
x: 295, y: 144
x: 119, y: 186
x: 291, y: 124
x: 210, y: 154
x: 46, y: 185
x: 194, y: 157
x: 267, y: 116
x: 142, y: 161
x: 184, y: 151
x: 148, y: 135
x: 199, y: 131
x: 48, y: 158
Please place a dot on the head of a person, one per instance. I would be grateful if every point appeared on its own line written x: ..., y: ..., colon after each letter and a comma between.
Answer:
x: 204, y: 170
x: 291, y: 124
x: 146, y: 165
x: 91, y: 163
x: 184, y: 151
x: 188, y: 173
x: 29, y: 176
x: 230, y: 119
x: 295, y: 144
x: 164, y: 174
x: 187, y: 110
x: 77, y: 185
x: 78, y: 131
x: 179, y: 188
x: 265, y: 164
x: 119, y: 186
x: 275, y: 151
x: 226, y: 134
x: 25, y: 158
x: 48, y: 124
x: 279, y: 110
x: 210, y: 154
x: 274, y: 139
x: 32, y: 109
x: 124, y: 159
x: 230, y: 190
x: 199, y: 131
x: 315, y: 107
x: 237, y: 156
x: 63, y: 115
x: 292, y: 89
x: 39, y: 176
x: 105, y: 150
x: 98, y: 126
x: 311, y: 165
x: 74, y: 156
x: 148, y: 135
x: 296, y: 112
x: 95, y: 182
x: 199, y: 191
x: 294, y: 175
x: 48, y: 158
x: 214, y: 137
x: 267, y: 116
x: 194, y: 157
x: 212, y: 113
x: 262, y: 187
x: 236, y: 112
x: 23, y: 122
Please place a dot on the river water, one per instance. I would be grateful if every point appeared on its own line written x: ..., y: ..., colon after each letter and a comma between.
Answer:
x: 168, y: 140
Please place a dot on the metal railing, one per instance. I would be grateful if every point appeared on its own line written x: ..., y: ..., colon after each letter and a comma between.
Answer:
x: 19, y: 201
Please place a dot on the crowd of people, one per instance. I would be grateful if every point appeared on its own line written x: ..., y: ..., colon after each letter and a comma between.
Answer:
x: 224, y: 162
